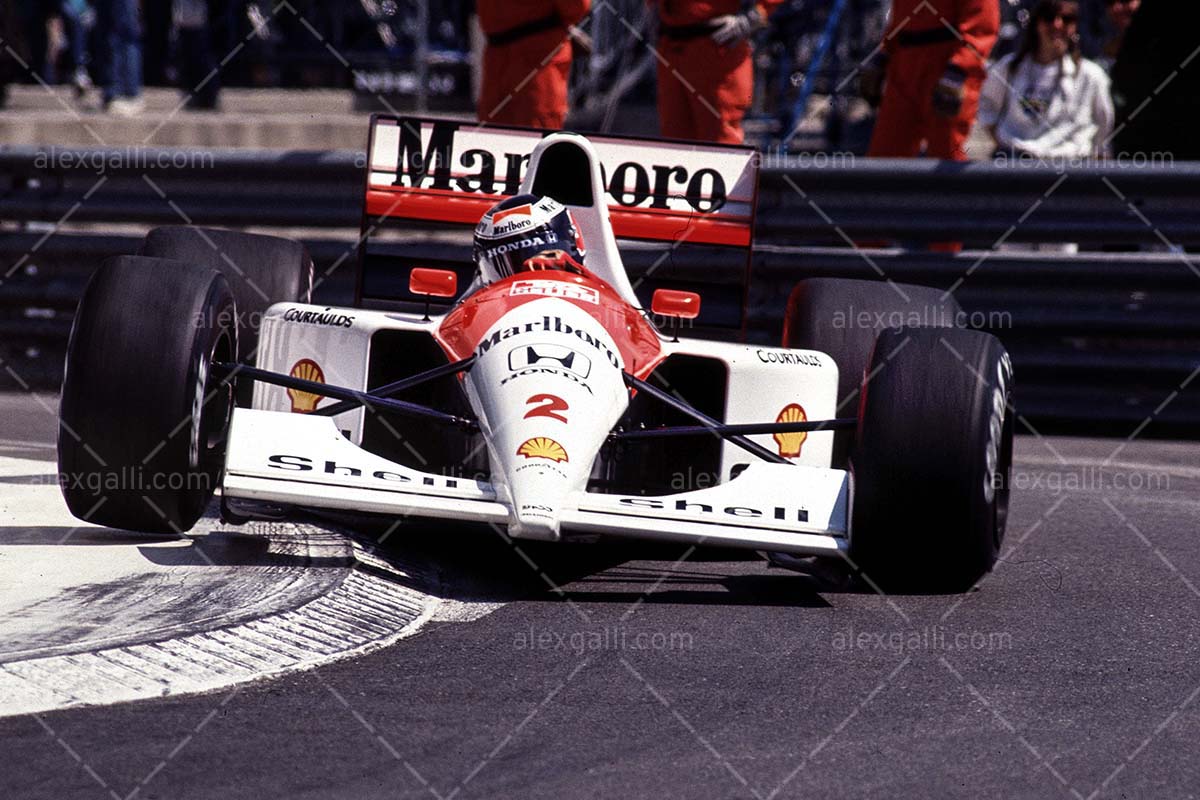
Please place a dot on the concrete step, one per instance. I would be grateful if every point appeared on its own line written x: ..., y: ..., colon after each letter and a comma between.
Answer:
x: 316, y: 119
x: 31, y: 97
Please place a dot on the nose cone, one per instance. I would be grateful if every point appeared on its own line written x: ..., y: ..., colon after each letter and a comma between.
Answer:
x: 539, y: 480
x: 547, y: 389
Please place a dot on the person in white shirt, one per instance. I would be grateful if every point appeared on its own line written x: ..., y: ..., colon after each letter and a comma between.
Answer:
x: 1045, y: 100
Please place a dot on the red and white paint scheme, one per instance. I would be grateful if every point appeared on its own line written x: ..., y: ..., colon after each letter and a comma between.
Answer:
x: 547, y: 386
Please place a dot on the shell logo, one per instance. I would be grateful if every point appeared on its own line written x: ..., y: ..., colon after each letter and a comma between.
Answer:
x: 309, y: 370
x: 543, y: 447
x: 790, y: 443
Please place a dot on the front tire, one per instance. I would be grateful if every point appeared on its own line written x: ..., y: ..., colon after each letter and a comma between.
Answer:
x: 261, y: 271
x: 932, y: 460
x: 841, y: 318
x: 143, y: 420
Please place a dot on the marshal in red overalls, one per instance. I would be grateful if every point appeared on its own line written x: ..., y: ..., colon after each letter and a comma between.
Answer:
x: 704, y: 87
x: 930, y: 42
x: 527, y: 60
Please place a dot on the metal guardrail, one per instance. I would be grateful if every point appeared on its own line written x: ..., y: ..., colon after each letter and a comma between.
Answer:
x: 1100, y: 339
x: 916, y: 201
x: 155, y: 186
x: 981, y: 203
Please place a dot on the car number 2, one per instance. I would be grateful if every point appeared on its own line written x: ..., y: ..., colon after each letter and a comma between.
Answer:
x: 550, y: 406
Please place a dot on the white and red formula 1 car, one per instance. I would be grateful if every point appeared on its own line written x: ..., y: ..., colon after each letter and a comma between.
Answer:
x: 553, y: 404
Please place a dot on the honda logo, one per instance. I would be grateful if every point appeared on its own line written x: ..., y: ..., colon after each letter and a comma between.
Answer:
x: 546, y: 354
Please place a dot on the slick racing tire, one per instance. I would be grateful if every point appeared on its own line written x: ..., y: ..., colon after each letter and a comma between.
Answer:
x: 143, y: 421
x: 933, y: 458
x: 841, y: 318
x: 261, y: 270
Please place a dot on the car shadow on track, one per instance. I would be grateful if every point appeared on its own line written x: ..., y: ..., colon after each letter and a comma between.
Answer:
x: 217, y: 548
x: 231, y: 548
x: 485, y: 566
x: 789, y: 591
x: 76, y: 536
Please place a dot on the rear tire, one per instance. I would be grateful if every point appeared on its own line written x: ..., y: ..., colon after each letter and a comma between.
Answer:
x: 143, y: 421
x: 933, y: 459
x: 842, y: 317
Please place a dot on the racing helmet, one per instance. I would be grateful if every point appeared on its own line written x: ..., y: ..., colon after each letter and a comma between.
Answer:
x: 527, y: 232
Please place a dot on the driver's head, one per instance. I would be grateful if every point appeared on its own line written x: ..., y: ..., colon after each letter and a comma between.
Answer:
x: 527, y: 232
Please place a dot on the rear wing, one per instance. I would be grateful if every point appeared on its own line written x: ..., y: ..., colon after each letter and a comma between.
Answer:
x: 681, y: 197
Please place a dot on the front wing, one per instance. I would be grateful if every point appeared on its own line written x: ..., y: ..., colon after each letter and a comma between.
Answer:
x: 305, y: 461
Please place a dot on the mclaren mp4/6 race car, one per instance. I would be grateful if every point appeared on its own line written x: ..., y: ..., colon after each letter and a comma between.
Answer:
x: 537, y: 387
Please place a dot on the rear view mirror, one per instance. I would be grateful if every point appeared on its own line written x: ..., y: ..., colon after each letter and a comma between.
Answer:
x: 672, y: 303
x: 675, y: 305
x: 433, y: 282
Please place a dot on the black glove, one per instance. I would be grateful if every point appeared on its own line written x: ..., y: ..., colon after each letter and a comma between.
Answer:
x: 948, y: 93
x: 870, y: 78
x: 732, y: 28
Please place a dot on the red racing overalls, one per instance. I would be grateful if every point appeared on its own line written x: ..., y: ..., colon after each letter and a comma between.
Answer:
x: 704, y: 88
x: 527, y: 60
x: 923, y: 38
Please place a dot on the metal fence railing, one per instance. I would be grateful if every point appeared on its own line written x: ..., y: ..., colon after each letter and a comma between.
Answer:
x: 809, y: 202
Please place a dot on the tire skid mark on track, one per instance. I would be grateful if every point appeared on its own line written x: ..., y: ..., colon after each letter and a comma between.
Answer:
x: 288, y: 596
x: 121, y: 597
x: 370, y: 609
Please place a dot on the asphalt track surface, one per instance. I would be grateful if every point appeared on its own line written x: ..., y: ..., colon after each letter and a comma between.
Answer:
x: 1072, y: 671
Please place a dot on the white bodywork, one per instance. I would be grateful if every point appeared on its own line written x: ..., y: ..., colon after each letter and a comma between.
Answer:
x: 293, y: 459
x: 300, y: 460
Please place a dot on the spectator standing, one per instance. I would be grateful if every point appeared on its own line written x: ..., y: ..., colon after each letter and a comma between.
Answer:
x: 78, y: 20
x: 1120, y: 15
x: 527, y: 60
x: 927, y: 77
x: 199, y: 77
x: 157, y: 29
x: 13, y: 50
x: 1154, y: 82
x: 120, y: 32
x: 35, y: 22
x: 48, y: 24
x: 1046, y: 100
x: 705, y: 70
